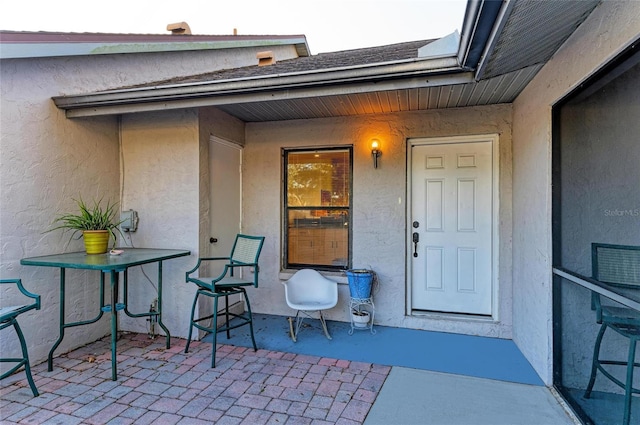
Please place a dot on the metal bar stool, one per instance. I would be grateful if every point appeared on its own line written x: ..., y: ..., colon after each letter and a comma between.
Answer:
x: 244, y: 255
x: 9, y: 317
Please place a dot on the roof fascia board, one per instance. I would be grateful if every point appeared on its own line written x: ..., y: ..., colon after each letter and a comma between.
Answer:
x: 479, y: 22
x: 196, y: 100
x: 468, y: 28
x: 10, y: 50
x: 340, y: 76
x: 500, y: 22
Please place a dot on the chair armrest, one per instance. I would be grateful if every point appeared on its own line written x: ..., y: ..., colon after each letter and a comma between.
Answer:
x: 24, y: 291
x: 200, y: 260
x: 228, y: 269
x: 238, y: 264
x: 231, y: 266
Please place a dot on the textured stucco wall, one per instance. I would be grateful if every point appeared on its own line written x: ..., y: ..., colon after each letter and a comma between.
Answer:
x: 47, y: 159
x: 611, y: 27
x: 379, y: 219
x: 214, y: 122
x: 165, y: 178
x: 160, y: 180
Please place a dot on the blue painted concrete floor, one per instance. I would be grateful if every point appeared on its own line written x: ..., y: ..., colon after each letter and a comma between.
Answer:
x: 480, y: 357
x: 436, y: 378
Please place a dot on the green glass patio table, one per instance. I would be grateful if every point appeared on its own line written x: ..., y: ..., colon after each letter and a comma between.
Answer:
x: 114, y: 265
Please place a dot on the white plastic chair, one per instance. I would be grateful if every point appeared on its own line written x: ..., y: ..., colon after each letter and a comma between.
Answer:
x: 308, y: 291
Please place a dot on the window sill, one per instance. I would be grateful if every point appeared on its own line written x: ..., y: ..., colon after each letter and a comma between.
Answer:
x: 338, y: 276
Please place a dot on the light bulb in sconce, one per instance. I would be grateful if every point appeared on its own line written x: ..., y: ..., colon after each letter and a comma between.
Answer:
x: 375, y: 152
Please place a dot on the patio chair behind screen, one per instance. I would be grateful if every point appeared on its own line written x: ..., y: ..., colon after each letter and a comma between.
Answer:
x: 617, y: 265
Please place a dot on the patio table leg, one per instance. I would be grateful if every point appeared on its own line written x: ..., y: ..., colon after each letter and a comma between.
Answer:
x: 114, y: 324
x: 63, y: 324
x: 155, y: 316
x: 62, y: 291
x: 164, y: 328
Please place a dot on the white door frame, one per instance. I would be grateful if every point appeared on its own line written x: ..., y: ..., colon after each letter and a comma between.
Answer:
x: 494, y: 139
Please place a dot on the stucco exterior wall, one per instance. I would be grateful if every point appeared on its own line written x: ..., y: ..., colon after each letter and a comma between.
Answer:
x: 214, y: 122
x: 379, y: 199
x: 165, y: 165
x: 160, y: 180
x: 612, y: 26
x: 47, y: 159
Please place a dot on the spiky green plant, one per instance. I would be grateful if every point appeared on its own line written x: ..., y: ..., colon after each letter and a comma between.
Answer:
x: 90, y: 218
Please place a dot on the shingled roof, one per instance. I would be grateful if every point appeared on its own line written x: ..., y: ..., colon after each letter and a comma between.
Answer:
x: 324, y: 61
x: 497, y: 54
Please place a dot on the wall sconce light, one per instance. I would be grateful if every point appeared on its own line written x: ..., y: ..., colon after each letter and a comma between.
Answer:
x: 375, y: 152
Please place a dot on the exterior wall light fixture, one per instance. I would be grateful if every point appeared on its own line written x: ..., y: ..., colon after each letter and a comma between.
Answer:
x: 375, y: 152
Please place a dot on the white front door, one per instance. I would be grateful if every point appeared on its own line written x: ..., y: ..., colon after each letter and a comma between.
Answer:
x: 451, y: 226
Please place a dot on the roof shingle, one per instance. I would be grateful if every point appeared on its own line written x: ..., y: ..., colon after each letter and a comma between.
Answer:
x: 322, y: 61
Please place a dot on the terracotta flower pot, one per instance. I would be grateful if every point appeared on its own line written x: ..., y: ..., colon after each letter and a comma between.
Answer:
x: 96, y: 241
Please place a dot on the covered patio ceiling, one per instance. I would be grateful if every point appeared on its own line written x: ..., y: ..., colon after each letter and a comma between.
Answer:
x: 503, y: 45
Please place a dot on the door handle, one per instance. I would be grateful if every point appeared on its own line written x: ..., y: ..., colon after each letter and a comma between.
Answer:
x: 213, y: 240
x: 416, y: 239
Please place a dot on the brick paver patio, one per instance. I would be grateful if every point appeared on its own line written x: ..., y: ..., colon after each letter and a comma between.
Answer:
x: 166, y: 386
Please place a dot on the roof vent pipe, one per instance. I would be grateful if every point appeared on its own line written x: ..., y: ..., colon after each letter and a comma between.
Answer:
x: 266, y: 58
x: 179, y: 28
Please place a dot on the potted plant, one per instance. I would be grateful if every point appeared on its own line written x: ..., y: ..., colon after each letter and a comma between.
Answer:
x: 360, y: 318
x: 96, y: 223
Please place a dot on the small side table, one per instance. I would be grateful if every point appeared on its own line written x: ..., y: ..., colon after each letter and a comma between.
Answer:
x: 362, y: 304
